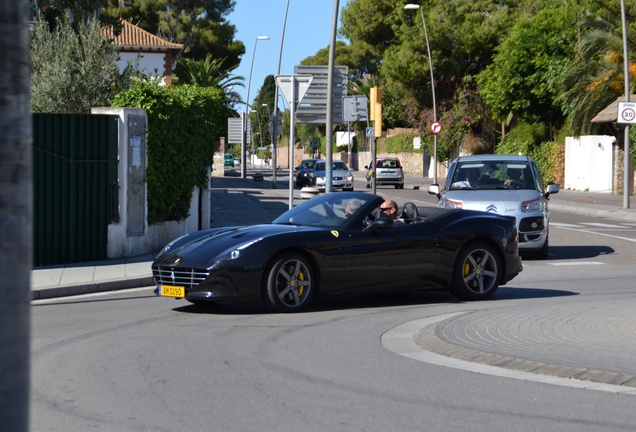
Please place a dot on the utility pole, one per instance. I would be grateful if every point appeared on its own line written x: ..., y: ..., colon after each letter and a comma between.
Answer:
x: 15, y: 215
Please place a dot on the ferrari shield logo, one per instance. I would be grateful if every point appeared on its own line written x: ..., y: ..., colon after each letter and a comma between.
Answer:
x: 335, y: 233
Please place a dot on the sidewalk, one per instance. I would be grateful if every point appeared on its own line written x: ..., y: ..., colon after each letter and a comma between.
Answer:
x: 238, y: 201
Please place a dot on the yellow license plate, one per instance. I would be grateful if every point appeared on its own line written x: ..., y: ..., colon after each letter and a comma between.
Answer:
x: 171, y: 291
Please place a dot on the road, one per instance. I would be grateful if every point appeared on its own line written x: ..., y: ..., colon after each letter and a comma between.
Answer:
x: 129, y: 361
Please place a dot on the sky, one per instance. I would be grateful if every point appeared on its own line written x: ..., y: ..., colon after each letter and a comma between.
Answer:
x: 308, y: 29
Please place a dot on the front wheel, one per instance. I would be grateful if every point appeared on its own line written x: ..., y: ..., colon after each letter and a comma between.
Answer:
x: 290, y: 283
x: 543, y: 252
x: 476, y: 274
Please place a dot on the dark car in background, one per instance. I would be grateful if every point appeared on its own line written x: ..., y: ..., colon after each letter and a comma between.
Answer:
x: 388, y: 171
x: 305, y: 175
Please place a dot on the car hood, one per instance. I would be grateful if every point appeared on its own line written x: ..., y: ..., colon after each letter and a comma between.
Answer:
x: 203, y: 249
x: 339, y: 173
x: 494, y: 201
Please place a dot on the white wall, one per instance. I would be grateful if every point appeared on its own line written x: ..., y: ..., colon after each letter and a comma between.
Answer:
x: 155, y: 237
x: 589, y: 163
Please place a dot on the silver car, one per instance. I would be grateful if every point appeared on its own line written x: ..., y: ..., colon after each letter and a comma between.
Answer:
x: 505, y: 184
x: 341, y: 176
x: 388, y: 172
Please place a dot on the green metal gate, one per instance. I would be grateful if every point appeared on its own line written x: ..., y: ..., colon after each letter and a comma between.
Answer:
x: 75, y: 191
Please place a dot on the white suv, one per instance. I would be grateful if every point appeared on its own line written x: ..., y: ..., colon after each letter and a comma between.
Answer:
x: 509, y: 185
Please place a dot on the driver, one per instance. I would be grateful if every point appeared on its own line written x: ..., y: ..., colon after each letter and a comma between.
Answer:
x: 389, y: 209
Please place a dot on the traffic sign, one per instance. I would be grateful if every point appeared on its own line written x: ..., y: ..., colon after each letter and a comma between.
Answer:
x: 355, y: 108
x: 369, y: 132
x: 275, y: 121
x: 626, y: 112
x: 300, y: 83
x: 313, y: 109
x: 436, y: 127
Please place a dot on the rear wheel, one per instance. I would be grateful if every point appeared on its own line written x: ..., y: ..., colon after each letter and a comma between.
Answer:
x: 477, y: 272
x: 290, y: 283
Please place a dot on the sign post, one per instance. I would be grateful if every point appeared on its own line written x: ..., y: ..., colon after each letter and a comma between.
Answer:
x: 294, y: 88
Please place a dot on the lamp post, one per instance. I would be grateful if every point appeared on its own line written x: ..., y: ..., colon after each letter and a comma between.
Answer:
x: 626, y: 157
x: 275, y: 110
x: 430, y: 63
x: 247, y: 105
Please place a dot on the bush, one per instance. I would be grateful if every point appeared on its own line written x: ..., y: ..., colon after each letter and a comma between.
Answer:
x: 183, y: 123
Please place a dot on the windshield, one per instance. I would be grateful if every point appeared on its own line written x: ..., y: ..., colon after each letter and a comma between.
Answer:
x: 336, y: 210
x: 307, y: 164
x: 493, y: 175
x: 336, y: 165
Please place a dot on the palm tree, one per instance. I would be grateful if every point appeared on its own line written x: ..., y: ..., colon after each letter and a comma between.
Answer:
x: 595, y: 78
x: 209, y: 72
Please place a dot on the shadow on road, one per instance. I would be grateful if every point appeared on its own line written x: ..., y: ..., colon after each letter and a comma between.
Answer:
x: 372, y: 301
x: 573, y: 252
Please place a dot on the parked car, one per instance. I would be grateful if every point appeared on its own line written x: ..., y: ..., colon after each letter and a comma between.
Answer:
x: 228, y: 160
x: 305, y: 175
x: 342, y: 178
x: 320, y: 248
x: 388, y: 171
x: 496, y: 190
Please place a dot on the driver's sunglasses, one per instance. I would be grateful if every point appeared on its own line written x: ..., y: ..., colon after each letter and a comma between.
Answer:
x: 385, y: 208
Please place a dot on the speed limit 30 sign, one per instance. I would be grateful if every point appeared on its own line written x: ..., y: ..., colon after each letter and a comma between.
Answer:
x: 626, y: 112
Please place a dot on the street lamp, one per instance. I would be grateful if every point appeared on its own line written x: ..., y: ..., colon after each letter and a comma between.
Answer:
x: 275, y: 110
x: 430, y: 62
x: 247, y: 105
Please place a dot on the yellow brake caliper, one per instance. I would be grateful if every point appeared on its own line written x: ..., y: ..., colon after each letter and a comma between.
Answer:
x: 301, y: 277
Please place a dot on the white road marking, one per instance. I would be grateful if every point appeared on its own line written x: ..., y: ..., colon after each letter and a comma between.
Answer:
x: 597, y: 233
x: 564, y: 225
x: 603, y: 225
x: 577, y: 263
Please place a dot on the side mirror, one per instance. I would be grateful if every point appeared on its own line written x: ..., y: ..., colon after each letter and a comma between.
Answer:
x: 551, y: 189
x: 434, y: 190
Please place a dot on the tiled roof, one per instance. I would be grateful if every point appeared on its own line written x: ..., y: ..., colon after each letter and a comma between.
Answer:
x: 610, y: 113
x: 132, y: 36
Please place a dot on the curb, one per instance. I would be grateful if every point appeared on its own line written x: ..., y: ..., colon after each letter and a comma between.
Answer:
x: 89, y: 288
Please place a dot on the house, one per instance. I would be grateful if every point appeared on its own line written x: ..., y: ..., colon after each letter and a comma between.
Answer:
x: 156, y: 56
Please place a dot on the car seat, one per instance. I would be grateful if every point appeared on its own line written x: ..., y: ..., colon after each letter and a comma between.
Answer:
x: 410, y: 213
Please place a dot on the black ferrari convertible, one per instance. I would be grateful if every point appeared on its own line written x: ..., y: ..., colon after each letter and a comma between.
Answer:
x: 336, y: 243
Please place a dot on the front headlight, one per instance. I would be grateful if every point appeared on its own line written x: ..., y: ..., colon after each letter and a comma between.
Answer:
x: 451, y: 204
x: 535, y: 205
x: 349, y: 178
x: 320, y: 180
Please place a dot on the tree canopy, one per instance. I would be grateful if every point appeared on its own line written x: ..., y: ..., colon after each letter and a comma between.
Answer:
x: 73, y: 70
